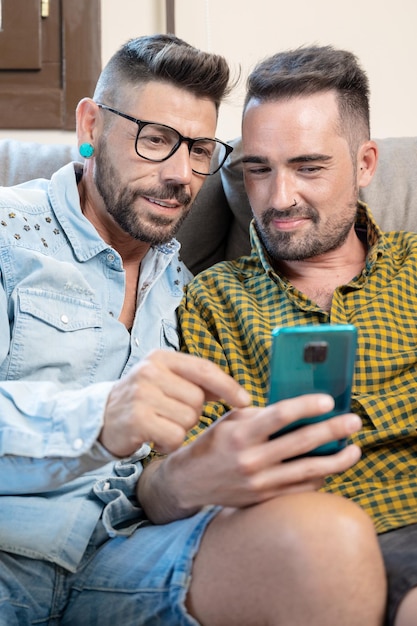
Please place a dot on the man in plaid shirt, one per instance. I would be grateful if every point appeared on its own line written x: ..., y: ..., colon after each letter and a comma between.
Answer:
x: 319, y: 257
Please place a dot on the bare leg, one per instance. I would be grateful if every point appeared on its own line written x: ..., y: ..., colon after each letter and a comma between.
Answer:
x: 407, y: 613
x: 309, y: 558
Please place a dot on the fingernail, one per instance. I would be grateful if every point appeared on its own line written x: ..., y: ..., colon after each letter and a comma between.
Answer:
x: 355, y: 422
x: 326, y: 402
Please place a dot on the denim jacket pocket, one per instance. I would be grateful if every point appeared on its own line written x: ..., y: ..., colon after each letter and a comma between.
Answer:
x: 56, y: 337
x: 169, y: 335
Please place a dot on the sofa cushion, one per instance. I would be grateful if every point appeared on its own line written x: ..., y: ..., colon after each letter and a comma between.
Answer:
x: 392, y: 194
x: 23, y: 160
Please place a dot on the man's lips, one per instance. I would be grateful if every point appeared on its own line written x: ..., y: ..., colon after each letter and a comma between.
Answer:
x: 289, y: 223
x: 165, y: 204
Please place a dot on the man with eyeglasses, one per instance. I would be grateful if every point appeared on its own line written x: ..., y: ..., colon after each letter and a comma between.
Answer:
x: 91, y: 381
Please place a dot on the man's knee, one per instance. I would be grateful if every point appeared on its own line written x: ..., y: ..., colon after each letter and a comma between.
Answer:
x: 313, y: 527
x: 313, y: 546
x: 302, y: 520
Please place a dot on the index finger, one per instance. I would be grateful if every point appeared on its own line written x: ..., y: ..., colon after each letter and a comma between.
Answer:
x: 207, y: 375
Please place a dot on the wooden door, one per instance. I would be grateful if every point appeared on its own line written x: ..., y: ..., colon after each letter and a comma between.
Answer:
x: 50, y: 58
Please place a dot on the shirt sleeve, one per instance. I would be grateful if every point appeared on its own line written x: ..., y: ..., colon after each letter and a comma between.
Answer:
x: 49, y: 437
x: 39, y: 420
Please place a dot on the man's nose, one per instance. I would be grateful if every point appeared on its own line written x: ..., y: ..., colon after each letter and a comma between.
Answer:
x: 178, y: 168
x: 284, y: 191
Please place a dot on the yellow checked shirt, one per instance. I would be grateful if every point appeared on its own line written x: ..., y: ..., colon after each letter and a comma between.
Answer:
x: 227, y: 315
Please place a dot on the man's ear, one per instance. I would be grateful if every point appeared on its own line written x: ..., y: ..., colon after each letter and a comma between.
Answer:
x: 367, y: 162
x: 86, y: 115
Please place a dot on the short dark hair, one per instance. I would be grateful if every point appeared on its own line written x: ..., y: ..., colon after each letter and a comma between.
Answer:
x: 312, y: 69
x: 164, y: 58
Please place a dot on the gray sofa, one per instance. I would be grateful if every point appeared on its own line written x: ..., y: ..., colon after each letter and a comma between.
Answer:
x: 217, y: 228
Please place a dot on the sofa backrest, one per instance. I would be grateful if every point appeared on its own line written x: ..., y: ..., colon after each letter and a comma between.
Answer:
x: 24, y: 160
x: 217, y: 227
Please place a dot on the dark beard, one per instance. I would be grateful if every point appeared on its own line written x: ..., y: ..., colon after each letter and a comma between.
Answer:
x: 120, y: 201
x: 286, y: 246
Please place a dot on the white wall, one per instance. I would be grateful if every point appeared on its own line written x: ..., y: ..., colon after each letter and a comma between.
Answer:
x: 380, y: 32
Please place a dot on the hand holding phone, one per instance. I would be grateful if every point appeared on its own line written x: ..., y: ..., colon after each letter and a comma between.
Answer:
x: 313, y: 359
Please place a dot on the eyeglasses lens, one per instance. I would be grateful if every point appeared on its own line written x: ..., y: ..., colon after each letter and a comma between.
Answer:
x: 156, y: 143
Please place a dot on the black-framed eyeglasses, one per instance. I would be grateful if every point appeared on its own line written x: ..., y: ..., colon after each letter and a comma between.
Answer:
x: 158, y: 142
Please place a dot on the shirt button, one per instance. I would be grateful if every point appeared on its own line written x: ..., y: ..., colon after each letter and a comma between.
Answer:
x: 64, y: 318
x: 106, y: 486
x: 78, y: 443
x: 110, y: 257
x: 136, y: 342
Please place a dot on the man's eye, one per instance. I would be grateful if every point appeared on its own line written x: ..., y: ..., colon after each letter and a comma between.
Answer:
x: 310, y: 169
x: 202, y: 152
x: 256, y: 171
x: 154, y: 139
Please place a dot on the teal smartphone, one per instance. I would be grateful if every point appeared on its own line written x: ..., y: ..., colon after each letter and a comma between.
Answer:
x: 312, y: 359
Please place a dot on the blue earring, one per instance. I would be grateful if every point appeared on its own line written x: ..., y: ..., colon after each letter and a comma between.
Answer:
x: 86, y: 150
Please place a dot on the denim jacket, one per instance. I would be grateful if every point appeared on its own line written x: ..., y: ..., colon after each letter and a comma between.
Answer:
x: 61, y: 349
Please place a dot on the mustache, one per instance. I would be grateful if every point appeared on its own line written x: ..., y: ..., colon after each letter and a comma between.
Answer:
x: 290, y: 213
x: 167, y: 192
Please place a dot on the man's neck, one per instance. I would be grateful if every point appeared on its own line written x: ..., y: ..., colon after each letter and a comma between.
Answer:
x: 319, y: 276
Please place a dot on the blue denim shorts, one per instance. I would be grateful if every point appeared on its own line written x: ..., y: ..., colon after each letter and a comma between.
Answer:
x: 141, y: 580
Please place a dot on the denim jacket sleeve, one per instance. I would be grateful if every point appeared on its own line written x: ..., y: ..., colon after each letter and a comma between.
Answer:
x: 45, y: 440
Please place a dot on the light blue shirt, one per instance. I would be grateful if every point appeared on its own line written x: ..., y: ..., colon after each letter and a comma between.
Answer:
x: 61, y: 349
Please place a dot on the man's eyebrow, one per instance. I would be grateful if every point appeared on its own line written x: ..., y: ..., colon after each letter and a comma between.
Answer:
x: 307, y: 158
x: 302, y: 158
x: 254, y: 159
